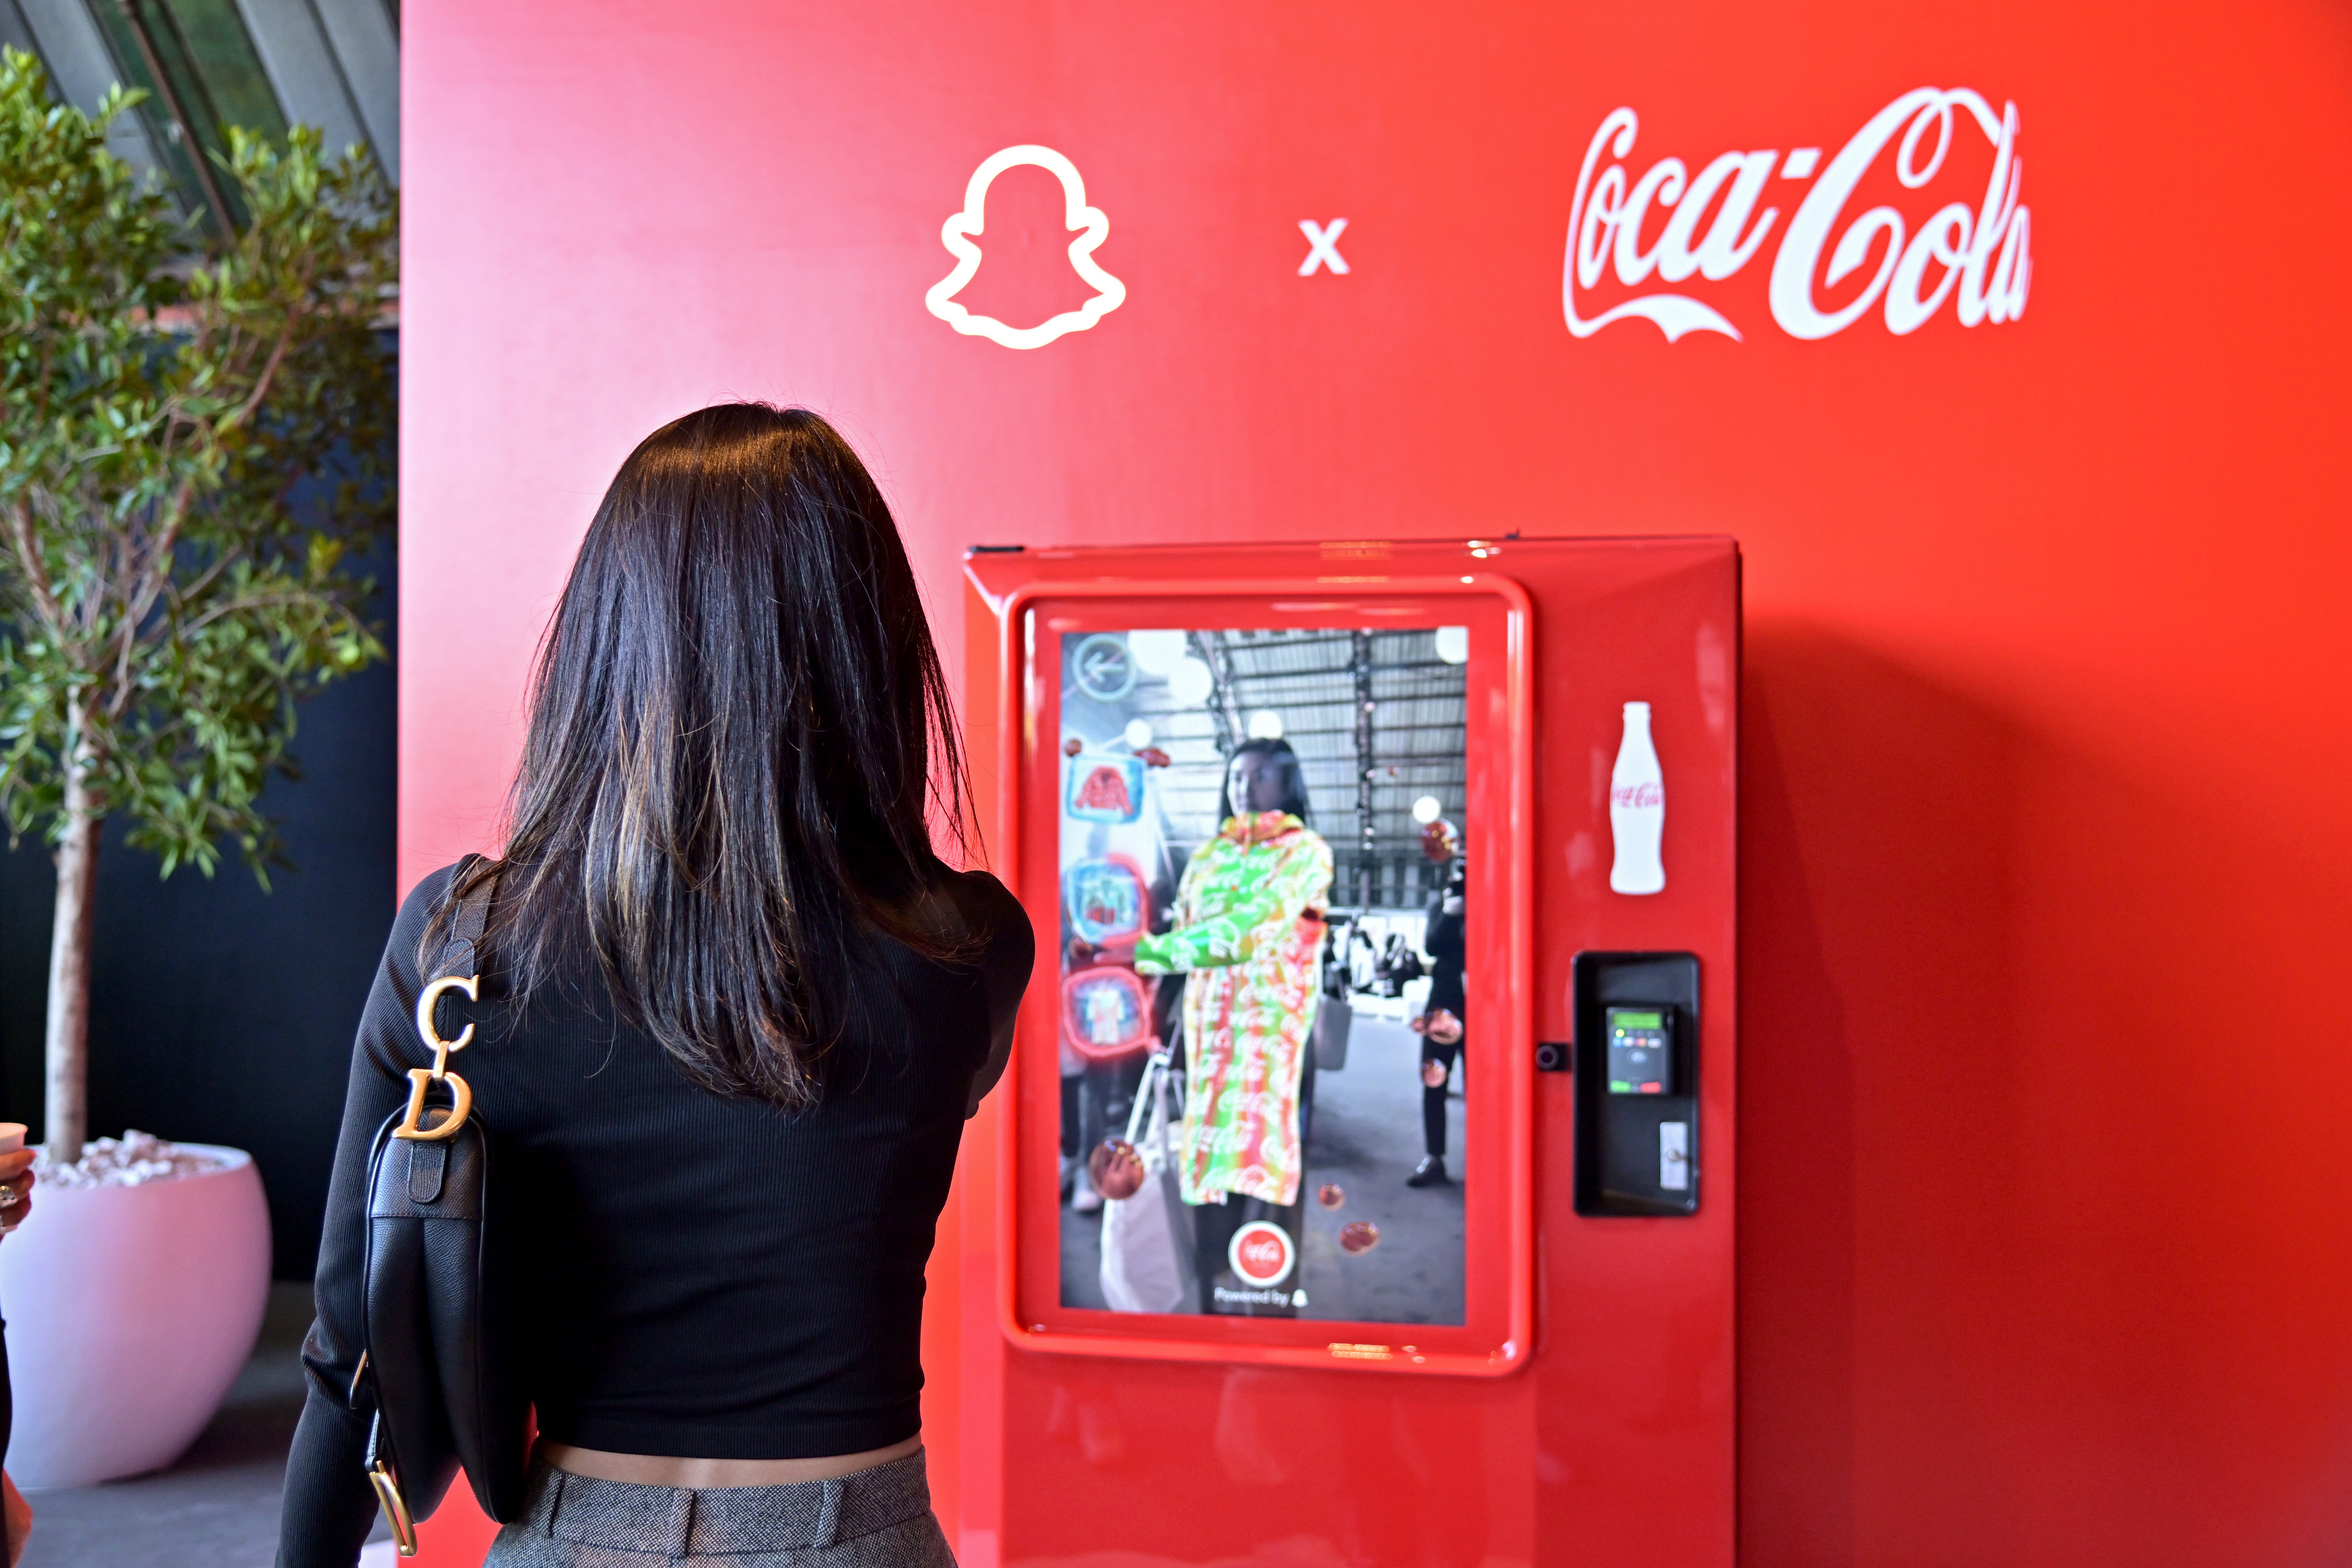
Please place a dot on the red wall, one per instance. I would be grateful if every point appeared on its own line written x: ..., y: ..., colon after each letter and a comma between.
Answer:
x: 2044, y: 1246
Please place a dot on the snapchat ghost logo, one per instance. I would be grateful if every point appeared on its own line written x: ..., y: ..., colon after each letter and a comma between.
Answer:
x: 957, y: 232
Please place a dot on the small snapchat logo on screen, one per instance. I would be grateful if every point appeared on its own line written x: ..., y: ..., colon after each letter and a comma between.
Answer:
x: 957, y: 234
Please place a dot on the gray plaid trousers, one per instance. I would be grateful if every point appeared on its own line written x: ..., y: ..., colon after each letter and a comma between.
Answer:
x: 879, y: 1517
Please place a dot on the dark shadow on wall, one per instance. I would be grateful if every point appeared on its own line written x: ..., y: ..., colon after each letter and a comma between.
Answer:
x: 2043, y: 1094
x: 1796, y: 1178
x: 220, y: 1014
x: 1873, y: 910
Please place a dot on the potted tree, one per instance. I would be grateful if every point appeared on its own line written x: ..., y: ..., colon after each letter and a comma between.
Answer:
x: 193, y: 450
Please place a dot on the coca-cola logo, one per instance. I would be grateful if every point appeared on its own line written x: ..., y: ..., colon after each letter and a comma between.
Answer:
x: 1637, y: 795
x: 1261, y: 1254
x: 1907, y: 264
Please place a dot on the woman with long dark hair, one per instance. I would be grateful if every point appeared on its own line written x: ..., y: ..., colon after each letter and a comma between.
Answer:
x: 1248, y: 938
x: 735, y: 1010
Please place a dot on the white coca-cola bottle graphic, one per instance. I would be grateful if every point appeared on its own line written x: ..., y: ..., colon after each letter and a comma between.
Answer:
x: 1637, y: 809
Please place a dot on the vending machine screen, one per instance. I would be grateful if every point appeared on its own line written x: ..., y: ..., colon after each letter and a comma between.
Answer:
x: 1263, y: 964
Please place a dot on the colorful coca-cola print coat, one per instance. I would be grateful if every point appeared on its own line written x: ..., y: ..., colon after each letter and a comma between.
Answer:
x: 1250, y: 959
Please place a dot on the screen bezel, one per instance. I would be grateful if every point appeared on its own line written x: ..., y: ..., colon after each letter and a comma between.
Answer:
x: 1493, y: 1337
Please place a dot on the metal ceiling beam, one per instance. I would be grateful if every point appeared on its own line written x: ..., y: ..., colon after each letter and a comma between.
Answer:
x: 367, y: 47
x: 306, y: 74
x: 168, y: 95
x: 81, y: 68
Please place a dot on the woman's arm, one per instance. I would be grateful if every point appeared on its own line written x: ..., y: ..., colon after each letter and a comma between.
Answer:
x: 1004, y: 975
x: 328, y: 1505
x: 1250, y: 925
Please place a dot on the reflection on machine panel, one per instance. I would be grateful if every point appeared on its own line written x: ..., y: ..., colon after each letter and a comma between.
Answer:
x: 1640, y: 1051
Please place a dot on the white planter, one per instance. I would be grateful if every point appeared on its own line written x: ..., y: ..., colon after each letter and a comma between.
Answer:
x: 130, y: 1311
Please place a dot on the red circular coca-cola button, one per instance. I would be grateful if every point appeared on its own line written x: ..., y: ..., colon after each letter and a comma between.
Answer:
x: 1262, y: 1254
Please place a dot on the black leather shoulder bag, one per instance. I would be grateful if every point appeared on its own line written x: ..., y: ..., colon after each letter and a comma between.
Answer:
x: 437, y: 1357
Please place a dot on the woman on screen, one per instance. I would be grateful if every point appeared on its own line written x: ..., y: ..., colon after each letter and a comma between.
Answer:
x: 1247, y: 934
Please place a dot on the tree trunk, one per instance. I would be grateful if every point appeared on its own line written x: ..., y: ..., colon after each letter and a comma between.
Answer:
x: 67, y: 1110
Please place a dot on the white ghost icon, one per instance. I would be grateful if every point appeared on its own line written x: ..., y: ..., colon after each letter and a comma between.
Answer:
x: 956, y: 235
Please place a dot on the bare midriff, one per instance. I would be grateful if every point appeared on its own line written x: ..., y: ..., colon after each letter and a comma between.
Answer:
x: 709, y: 1475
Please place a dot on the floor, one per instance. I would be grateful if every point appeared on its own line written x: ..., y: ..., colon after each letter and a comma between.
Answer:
x: 217, y: 1507
x: 1365, y: 1140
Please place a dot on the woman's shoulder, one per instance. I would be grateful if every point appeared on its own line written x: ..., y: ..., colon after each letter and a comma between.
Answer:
x: 426, y: 901
x: 972, y: 916
x: 988, y: 914
x: 987, y: 922
x: 1297, y: 838
x: 431, y: 891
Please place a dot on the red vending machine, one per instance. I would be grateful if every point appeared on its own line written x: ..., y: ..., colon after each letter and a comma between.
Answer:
x: 1362, y: 1188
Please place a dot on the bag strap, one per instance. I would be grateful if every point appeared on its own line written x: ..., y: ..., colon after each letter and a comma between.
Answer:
x: 464, y: 956
x: 1169, y: 1115
x: 462, y: 952
x: 1143, y: 1089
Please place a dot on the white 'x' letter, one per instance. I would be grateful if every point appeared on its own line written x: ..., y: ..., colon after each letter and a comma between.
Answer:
x: 1325, y: 244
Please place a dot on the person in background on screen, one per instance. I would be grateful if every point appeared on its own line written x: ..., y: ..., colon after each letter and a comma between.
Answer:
x: 1441, y: 1025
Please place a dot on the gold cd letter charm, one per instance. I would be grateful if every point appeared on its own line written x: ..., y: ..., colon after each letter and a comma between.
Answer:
x: 461, y: 1103
x: 420, y: 1080
x: 470, y: 984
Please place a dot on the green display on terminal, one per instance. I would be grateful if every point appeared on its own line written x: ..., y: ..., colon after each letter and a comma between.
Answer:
x: 1640, y: 1051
